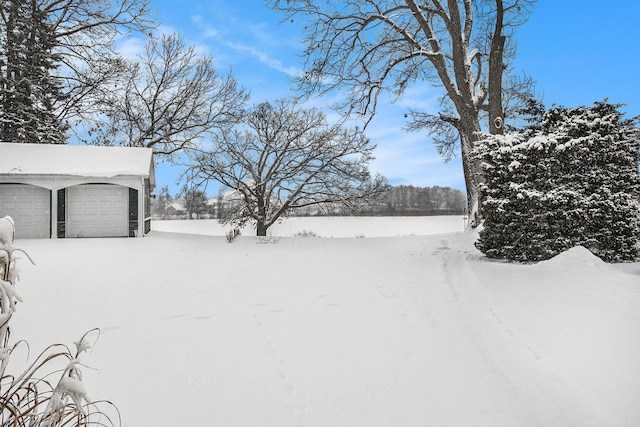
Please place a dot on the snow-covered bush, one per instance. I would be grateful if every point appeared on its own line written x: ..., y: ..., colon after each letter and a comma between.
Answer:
x: 232, y: 234
x: 570, y: 180
x: 30, y: 397
x: 305, y: 233
x: 268, y: 240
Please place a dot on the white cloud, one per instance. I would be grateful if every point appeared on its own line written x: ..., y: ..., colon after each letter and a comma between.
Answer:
x: 422, y: 97
x: 409, y: 157
x: 255, y: 40
x: 131, y: 47
x: 207, y: 31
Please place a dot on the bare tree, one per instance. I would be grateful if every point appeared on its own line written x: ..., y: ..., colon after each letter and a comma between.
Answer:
x: 195, y: 202
x: 286, y: 158
x: 160, y: 202
x: 85, y: 33
x: 369, y: 47
x: 169, y: 100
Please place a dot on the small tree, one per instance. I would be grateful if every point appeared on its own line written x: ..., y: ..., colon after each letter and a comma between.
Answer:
x: 161, y: 202
x: 285, y: 158
x: 195, y: 202
x: 571, y: 179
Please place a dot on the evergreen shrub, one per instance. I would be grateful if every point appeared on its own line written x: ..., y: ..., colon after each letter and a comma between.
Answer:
x: 571, y: 179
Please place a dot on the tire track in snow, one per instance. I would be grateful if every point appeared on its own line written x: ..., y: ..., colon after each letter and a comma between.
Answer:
x: 526, y: 377
x: 439, y: 348
x: 469, y: 292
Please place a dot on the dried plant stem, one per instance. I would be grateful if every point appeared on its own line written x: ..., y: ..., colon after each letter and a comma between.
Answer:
x: 30, y: 398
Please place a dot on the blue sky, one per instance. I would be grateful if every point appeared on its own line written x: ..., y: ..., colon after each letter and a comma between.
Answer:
x: 578, y: 51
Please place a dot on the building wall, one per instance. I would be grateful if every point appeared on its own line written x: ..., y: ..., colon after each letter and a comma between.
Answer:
x: 58, y: 185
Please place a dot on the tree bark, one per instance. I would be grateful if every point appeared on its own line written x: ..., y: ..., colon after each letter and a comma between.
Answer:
x: 261, y: 229
x: 496, y: 68
x: 469, y: 135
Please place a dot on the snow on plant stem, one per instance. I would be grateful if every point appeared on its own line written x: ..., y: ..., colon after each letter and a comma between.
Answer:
x: 23, y: 396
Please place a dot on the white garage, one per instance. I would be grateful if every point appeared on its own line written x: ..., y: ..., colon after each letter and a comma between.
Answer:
x: 63, y: 191
x: 29, y: 203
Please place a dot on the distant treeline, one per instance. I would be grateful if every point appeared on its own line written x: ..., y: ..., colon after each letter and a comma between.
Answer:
x: 410, y: 200
x: 401, y: 200
x: 407, y: 200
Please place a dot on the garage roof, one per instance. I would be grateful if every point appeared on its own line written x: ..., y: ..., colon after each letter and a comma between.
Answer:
x: 76, y: 160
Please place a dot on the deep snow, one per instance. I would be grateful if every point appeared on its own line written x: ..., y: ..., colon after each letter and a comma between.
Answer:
x: 375, y: 331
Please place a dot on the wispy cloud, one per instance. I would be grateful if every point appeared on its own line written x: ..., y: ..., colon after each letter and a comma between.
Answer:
x: 257, y: 40
x: 422, y: 97
x: 271, y: 62
x: 207, y: 31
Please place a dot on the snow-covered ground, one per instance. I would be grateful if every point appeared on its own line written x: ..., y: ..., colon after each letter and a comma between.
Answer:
x: 415, y: 330
x: 329, y: 226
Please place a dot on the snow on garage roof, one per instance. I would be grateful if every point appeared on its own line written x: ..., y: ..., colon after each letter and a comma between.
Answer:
x: 75, y: 160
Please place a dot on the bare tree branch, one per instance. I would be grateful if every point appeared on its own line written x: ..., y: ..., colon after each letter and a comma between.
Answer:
x: 285, y: 158
x: 85, y: 35
x: 171, y: 100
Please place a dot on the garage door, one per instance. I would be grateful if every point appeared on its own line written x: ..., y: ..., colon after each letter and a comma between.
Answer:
x: 97, y: 211
x: 30, y: 208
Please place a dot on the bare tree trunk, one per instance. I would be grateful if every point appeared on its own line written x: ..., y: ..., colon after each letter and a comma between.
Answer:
x: 261, y: 229
x: 496, y: 68
x: 470, y: 182
x: 469, y: 136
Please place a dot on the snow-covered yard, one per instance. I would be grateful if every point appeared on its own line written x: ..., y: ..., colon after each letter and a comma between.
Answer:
x: 329, y: 226
x: 414, y: 330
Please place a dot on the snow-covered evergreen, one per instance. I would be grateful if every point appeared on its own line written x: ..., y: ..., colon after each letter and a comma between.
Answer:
x: 570, y: 180
x: 28, y: 89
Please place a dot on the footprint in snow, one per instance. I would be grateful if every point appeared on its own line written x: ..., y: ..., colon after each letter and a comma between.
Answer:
x: 175, y: 316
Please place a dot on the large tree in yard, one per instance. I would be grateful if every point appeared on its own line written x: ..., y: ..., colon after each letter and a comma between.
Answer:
x: 364, y: 48
x: 284, y: 158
